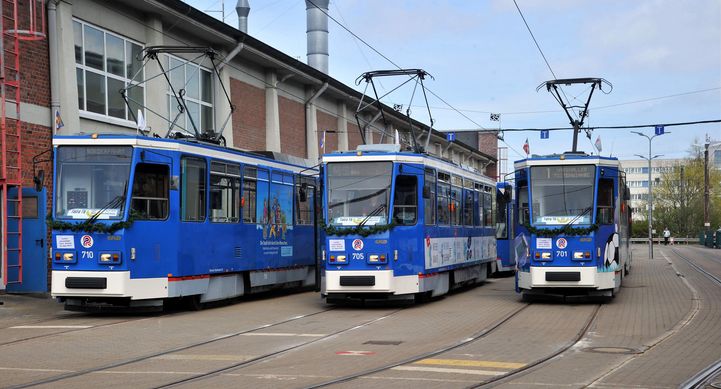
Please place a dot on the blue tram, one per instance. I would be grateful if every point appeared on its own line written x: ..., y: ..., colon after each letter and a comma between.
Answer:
x: 401, y: 225
x: 505, y: 227
x: 138, y: 220
x: 573, y: 225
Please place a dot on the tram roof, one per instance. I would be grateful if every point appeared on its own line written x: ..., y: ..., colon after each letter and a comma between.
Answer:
x: 566, y: 159
x: 407, y: 157
x: 273, y: 160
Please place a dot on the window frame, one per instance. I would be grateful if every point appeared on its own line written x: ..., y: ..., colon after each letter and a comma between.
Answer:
x: 235, y: 191
x: 183, y: 122
x: 127, y: 79
x: 167, y: 192
x: 204, y: 191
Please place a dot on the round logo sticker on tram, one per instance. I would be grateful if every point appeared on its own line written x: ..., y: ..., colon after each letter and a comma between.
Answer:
x: 86, y: 241
x: 357, y: 245
x: 561, y: 243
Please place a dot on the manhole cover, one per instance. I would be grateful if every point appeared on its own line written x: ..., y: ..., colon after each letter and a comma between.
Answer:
x: 384, y: 342
x: 633, y: 286
x: 612, y: 350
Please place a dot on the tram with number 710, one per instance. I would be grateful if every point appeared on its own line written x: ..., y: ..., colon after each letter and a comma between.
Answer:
x: 400, y: 225
x: 140, y: 220
x: 572, y: 225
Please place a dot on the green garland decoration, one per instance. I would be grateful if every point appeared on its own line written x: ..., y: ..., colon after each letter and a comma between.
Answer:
x: 91, y: 226
x: 565, y: 230
x: 363, y: 231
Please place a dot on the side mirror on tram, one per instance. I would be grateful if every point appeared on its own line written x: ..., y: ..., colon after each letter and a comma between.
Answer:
x: 627, y: 194
x: 39, y: 180
x: 426, y: 192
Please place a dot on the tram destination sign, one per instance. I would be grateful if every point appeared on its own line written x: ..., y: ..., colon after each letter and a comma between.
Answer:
x: 570, y: 171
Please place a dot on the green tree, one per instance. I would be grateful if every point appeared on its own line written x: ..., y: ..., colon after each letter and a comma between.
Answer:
x: 678, y: 198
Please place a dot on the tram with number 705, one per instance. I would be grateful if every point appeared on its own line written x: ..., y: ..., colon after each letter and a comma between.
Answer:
x: 401, y: 225
x: 572, y: 225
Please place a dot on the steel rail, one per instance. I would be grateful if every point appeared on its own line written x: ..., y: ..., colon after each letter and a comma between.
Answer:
x: 112, y: 365
x: 264, y: 357
x: 537, y: 363
x: 483, y: 333
x: 704, y: 377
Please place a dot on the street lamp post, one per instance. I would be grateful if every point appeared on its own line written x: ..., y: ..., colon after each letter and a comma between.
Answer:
x: 650, y: 184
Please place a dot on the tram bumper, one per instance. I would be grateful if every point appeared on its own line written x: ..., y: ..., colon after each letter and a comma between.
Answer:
x: 566, y: 277
x: 70, y: 284
x: 361, y: 281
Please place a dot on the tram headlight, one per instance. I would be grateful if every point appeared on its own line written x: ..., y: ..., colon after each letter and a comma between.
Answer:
x: 545, y: 255
x: 377, y: 259
x: 68, y: 257
x: 578, y: 255
x: 110, y: 258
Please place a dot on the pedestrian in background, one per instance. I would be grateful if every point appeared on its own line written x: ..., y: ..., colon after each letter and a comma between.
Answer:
x: 666, y: 235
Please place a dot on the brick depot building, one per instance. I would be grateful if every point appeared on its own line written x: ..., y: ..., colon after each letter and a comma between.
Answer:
x: 70, y: 79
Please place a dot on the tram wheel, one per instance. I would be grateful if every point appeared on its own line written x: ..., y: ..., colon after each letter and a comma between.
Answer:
x: 193, y: 302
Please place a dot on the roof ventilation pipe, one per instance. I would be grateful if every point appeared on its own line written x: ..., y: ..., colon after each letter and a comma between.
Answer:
x: 317, y: 33
x: 243, y: 9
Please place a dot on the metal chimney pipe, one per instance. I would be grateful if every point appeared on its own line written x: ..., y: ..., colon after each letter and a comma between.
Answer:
x: 317, y: 33
x: 243, y: 9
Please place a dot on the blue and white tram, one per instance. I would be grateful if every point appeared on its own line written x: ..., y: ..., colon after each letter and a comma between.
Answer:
x: 505, y: 228
x: 403, y: 225
x: 139, y: 220
x: 573, y: 225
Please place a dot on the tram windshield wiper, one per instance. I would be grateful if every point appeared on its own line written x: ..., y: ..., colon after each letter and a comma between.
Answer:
x: 585, y: 211
x: 371, y: 214
x: 114, y: 203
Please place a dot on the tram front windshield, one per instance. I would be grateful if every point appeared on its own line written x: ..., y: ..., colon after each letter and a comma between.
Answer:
x: 358, y: 192
x: 92, y: 181
x: 562, y: 194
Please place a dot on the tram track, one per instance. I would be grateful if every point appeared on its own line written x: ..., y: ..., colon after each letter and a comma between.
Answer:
x: 702, y: 378
x: 72, y: 330
x: 274, y: 354
x: 62, y: 377
x: 479, y: 335
x: 706, y: 376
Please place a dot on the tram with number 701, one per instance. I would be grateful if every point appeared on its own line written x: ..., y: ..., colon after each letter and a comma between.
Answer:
x: 572, y: 225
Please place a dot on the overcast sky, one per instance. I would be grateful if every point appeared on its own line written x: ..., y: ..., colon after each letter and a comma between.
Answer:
x: 663, y: 58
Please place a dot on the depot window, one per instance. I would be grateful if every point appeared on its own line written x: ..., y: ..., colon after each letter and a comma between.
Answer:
x: 105, y: 63
x: 196, y: 82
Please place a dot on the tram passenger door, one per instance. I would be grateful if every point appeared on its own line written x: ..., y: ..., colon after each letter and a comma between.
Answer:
x: 34, y: 265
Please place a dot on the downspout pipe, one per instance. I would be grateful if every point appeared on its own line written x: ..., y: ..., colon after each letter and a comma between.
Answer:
x: 231, y: 55
x: 311, y: 124
x: 54, y: 61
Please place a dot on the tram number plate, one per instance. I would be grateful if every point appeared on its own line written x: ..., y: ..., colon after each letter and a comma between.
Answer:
x: 86, y: 254
x: 562, y: 254
x: 359, y: 256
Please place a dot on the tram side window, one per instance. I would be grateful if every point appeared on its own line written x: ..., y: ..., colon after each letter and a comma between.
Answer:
x: 523, y: 215
x: 444, y: 207
x: 405, y: 200
x: 468, y: 207
x: 151, y: 191
x: 248, y: 201
x: 605, y: 210
x: 429, y: 197
x: 487, y: 209
x: 304, y: 198
x: 224, y: 192
x: 477, y: 208
x: 262, y: 202
x: 278, y: 207
x: 502, y: 216
x: 193, y: 185
x: 455, y: 206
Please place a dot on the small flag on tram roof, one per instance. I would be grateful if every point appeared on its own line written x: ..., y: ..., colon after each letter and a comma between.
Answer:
x: 598, y: 144
x: 526, y: 147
